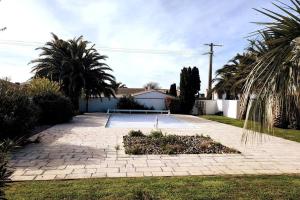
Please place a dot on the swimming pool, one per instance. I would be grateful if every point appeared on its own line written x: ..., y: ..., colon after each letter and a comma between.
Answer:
x: 146, y: 121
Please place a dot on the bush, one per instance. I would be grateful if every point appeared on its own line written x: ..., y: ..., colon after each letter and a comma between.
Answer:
x: 130, y: 103
x: 173, y: 104
x: 17, y: 113
x: 156, y: 134
x: 54, y: 108
x: 40, y: 86
x: 5, y: 147
x: 138, y: 133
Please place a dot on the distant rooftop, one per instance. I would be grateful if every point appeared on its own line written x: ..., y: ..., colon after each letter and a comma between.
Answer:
x: 132, y: 91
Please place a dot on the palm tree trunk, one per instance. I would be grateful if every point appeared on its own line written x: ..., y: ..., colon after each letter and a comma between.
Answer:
x: 86, y: 103
x: 279, y: 114
x: 75, y: 102
x: 294, y: 114
x: 244, y: 101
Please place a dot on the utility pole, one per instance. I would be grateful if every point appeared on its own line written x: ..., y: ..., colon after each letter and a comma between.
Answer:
x: 211, y: 54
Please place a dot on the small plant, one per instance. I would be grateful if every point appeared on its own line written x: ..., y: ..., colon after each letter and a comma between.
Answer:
x: 171, y: 139
x: 172, y: 148
x: 156, y: 134
x: 143, y: 195
x: 134, y: 133
x: 135, y: 150
x: 206, y: 144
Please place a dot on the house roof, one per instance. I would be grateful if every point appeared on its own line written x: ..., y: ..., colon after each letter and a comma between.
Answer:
x: 148, y: 91
x: 135, y: 91
x: 129, y: 91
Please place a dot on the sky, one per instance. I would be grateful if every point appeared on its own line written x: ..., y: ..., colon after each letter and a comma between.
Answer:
x: 145, y: 40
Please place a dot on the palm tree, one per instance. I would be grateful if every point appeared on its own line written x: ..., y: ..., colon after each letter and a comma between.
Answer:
x: 50, y: 62
x: 97, y: 82
x: 276, y: 73
x: 231, y: 78
x: 118, y: 85
x: 152, y: 86
x: 77, y: 67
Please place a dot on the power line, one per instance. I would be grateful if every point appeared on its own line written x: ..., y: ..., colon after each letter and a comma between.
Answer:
x: 103, y: 48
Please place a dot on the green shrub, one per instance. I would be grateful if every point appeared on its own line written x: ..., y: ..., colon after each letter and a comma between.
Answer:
x: 5, y: 147
x: 39, y: 86
x: 156, y: 134
x: 173, y: 104
x: 128, y: 102
x: 17, y: 113
x: 54, y: 108
x: 134, y: 133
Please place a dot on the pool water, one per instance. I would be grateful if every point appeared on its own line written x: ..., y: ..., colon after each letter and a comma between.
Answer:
x: 146, y: 121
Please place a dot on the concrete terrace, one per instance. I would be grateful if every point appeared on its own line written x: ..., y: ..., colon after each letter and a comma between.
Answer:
x: 84, y: 148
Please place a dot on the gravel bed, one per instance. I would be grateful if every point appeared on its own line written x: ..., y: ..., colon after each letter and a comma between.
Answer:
x: 174, y: 144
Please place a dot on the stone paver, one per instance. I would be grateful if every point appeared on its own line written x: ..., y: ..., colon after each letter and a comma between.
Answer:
x: 84, y: 148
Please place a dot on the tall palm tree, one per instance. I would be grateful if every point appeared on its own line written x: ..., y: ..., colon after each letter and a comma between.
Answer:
x: 50, y: 62
x: 277, y: 70
x: 97, y: 81
x: 76, y: 66
x: 118, y: 85
x: 231, y: 77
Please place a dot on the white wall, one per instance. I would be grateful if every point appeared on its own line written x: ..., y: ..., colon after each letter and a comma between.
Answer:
x: 230, y: 108
x: 96, y: 105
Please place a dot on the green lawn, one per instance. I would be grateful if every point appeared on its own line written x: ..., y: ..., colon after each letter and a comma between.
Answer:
x: 289, y: 134
x: 209, y: 187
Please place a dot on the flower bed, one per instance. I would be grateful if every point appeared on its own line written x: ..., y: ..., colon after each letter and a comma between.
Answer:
x: 156, y: 143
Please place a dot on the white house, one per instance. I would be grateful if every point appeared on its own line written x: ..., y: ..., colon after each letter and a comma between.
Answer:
x: 152, y: 98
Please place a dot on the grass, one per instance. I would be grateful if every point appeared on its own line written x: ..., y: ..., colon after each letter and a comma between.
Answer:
x: 196, y: 187
x: 288, y: 134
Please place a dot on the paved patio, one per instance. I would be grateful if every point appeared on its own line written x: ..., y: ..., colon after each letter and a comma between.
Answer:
x: 84, y: 148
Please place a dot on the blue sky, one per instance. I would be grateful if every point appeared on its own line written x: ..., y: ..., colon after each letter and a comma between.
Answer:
x: 178, y: 27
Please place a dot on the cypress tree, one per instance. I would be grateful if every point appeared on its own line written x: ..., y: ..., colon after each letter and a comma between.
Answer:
x: 173, y: 90
x: 187, y: 93
x: 196, y: 82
